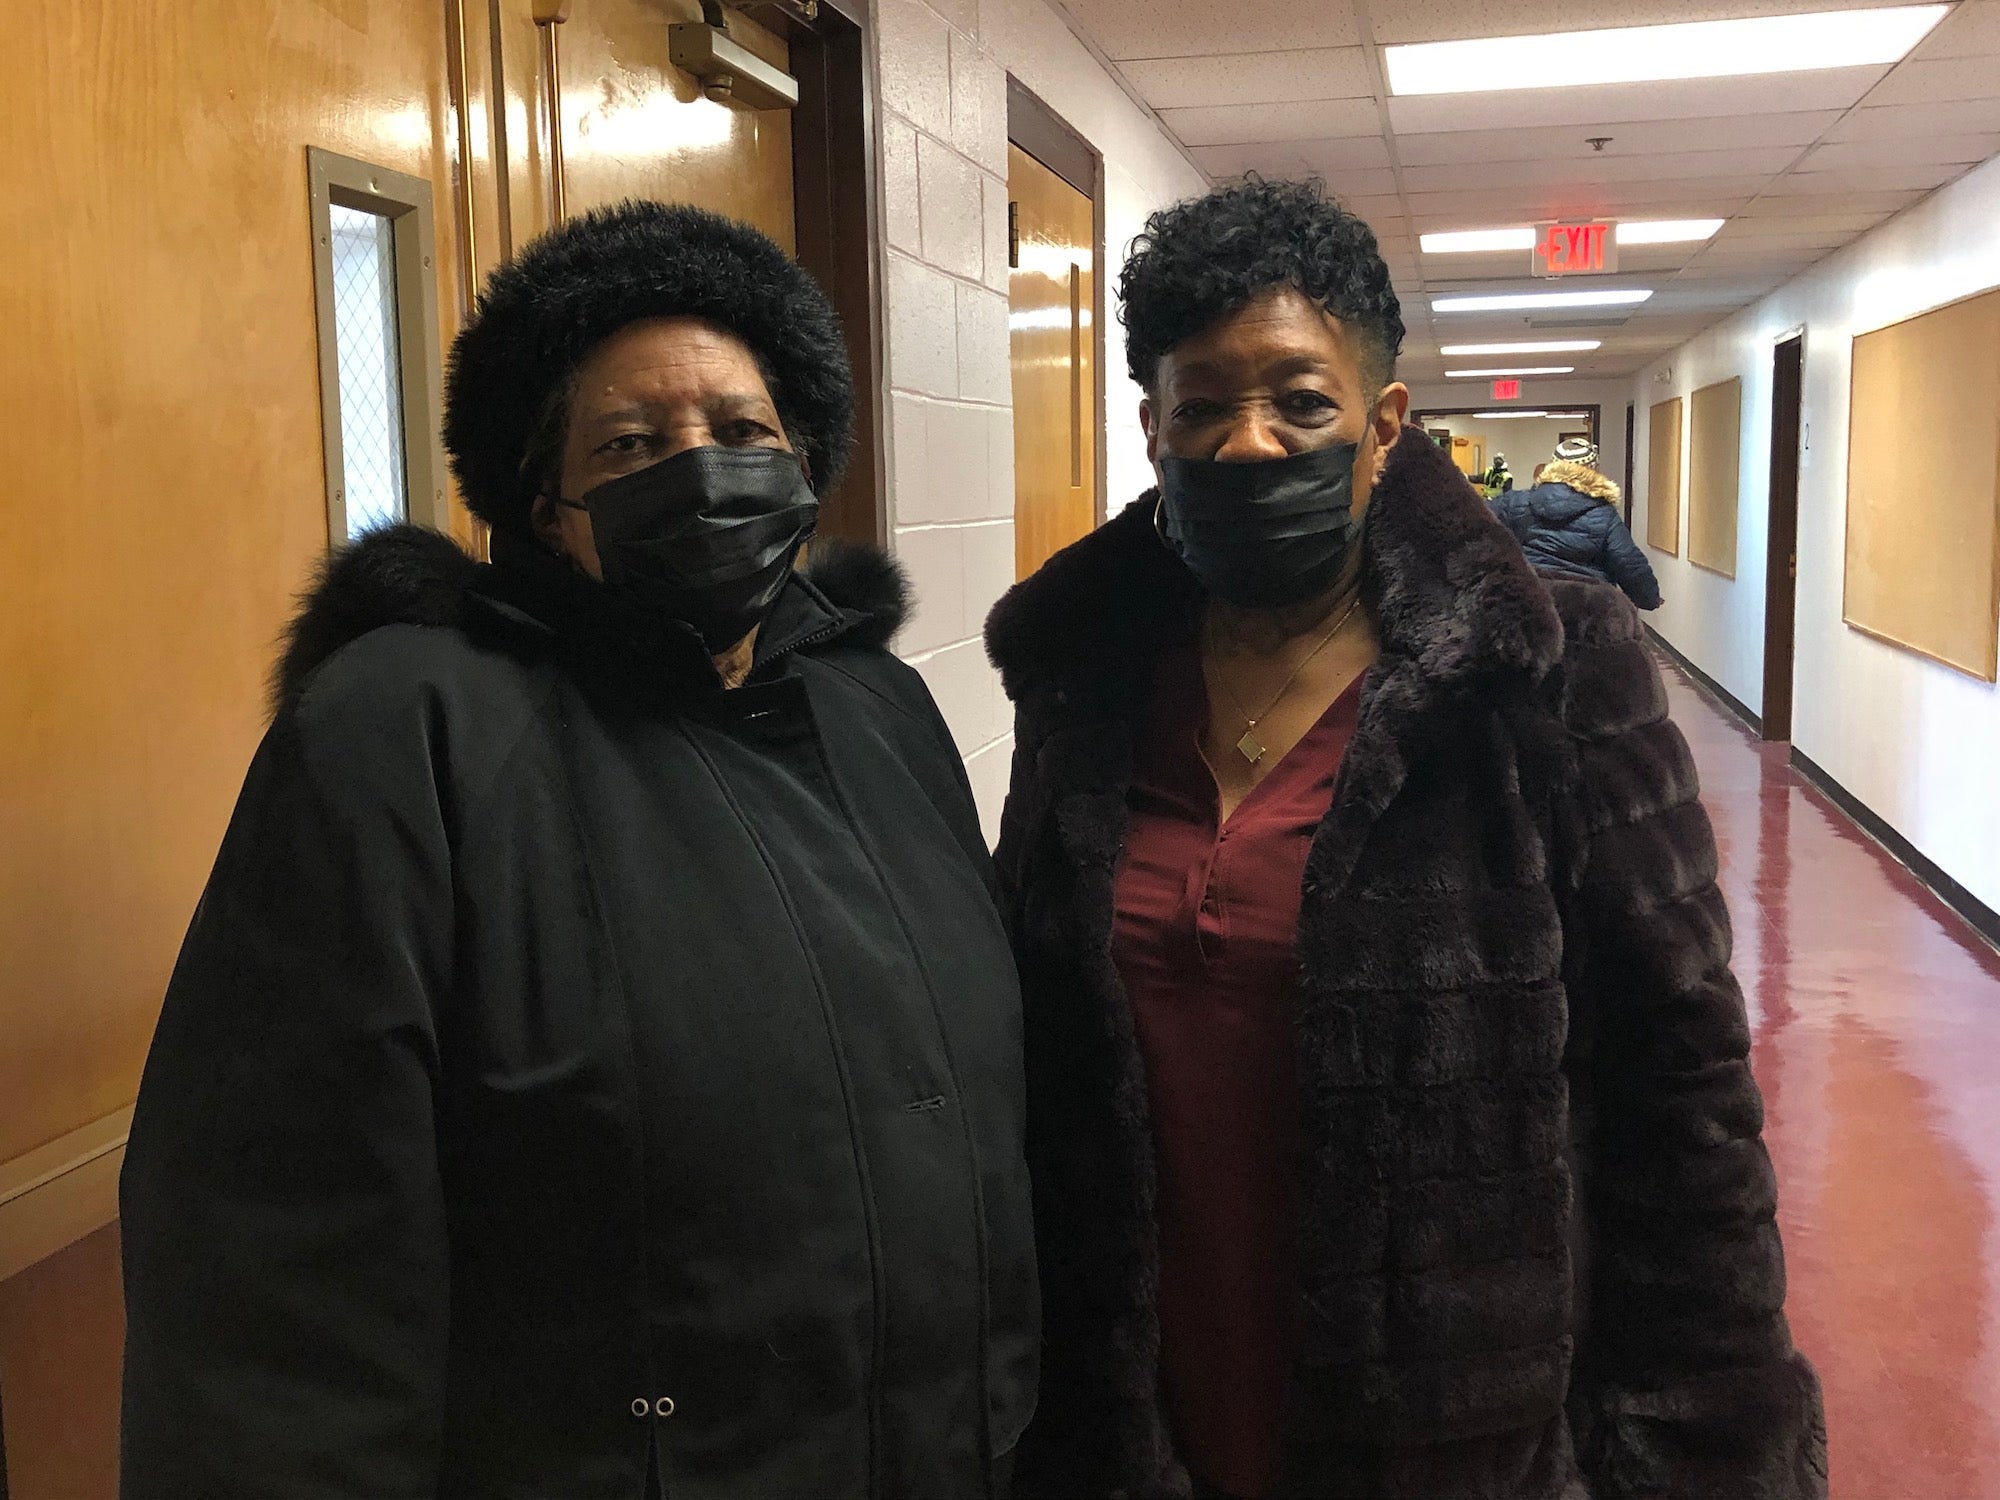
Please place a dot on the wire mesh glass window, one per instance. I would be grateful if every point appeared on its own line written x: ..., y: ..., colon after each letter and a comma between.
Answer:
x: 369, y: 360
x: 380, y: 373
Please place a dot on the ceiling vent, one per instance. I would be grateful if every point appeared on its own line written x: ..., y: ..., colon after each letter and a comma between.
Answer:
x: 1599, y: 322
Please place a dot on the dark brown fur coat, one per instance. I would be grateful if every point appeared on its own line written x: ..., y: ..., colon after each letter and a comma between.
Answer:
x: 1539, y: 1246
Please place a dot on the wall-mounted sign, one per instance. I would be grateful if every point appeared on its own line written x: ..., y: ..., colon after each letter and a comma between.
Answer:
x: 1574, y: 250
x: 1506, y: 390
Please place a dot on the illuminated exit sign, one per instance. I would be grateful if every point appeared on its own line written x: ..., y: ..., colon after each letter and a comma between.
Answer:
x: 1575, y: 250
x: 1506, y: 390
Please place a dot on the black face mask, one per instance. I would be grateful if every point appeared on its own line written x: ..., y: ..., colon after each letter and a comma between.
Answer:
x: 706, y: 537
x: 1262, y: 535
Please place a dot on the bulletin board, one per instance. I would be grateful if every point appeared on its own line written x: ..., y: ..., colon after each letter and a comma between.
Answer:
x: 1923, y: 486
x: 1663, y: 478
x: 1714, y: 462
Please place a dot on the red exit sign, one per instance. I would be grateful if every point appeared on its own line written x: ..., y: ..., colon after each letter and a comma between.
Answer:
x: 1575, y: 250
x: 1506, y: 390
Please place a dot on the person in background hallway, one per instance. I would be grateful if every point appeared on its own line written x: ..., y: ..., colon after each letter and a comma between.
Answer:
x: 594, y: 1068
x: 1390, y: 1116
x: 1569, y: 526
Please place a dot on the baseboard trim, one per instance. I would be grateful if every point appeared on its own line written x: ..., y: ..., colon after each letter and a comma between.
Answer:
x: 1982, y: 918
x: 56, y: 1194
x: 1722, y: 694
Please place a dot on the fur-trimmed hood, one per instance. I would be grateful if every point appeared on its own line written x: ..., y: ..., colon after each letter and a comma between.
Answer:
x: 409, y: 575
x: 1581, y: 478
x: 1454, y: 600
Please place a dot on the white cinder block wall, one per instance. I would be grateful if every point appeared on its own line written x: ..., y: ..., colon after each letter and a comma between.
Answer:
x: 1917, y: 742
x: 941, y: 96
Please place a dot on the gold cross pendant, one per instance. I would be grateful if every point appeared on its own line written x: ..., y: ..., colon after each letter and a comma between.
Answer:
x: 1250, y: 747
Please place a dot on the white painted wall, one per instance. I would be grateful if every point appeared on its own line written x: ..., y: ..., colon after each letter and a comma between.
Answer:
x: 941, y: 92
x: 1917, y: 742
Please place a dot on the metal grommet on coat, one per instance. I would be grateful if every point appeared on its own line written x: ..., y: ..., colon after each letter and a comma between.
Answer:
x: 641, y: 1407
x: 664, y: 1407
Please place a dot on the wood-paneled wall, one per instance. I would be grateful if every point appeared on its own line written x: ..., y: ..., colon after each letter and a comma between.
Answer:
x: 163, y: 498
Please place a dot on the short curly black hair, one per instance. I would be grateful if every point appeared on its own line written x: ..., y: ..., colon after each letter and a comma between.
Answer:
x: 541, y: 313
x: 1204, y: 258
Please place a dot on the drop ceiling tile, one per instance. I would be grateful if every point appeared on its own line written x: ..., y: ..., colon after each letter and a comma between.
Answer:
x: 1939, y: 80
x: 1610, y: 105
x: 1197, y: 28
x: 1698, y: 203
x: 1903, y: 121
x: 1910, y: 177
x: 1842, y: 226
x: 1569, y: 141
x: 1729, y: 246
x: 1699, y: 285
x: 1238, y: 124
x: 1634, y: 260
x: 1253, y: 78
x: 1818, y: 203
x: 1476, y: 207
x: 1592, y: 171
x: 1275, y: 158
x: 1295, y: 159
x: 1890, y: 151
x: 1452, y: 20
x: 1654, y: 260
x: 1373, y: 208
x: 1973, y: 30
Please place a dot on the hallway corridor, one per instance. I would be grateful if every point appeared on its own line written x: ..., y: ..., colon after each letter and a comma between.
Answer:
x: 1876, y: 1013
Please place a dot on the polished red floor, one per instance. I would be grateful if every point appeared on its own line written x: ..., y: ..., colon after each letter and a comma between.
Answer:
x: 1877, y: 1020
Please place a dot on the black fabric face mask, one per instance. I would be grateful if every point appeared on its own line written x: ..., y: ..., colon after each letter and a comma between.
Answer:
x: 706, y: 537
x: 1262, y: 535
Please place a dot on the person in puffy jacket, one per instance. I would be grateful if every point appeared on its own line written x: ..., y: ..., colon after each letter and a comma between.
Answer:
x: 1569, y: 525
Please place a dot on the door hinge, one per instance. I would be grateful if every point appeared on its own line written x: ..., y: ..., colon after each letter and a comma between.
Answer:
x: 1014, y: 236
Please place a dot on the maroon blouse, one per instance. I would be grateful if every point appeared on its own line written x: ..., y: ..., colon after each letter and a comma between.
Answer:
x: 1205, y: 941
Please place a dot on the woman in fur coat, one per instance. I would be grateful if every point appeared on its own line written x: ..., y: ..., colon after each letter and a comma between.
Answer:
x: 1391, y: 1122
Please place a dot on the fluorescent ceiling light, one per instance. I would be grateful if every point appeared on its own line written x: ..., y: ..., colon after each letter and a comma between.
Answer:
x: 1518, y: 370
x: 1633, y: 232
x: 1474, y: 241
x: 1666, y: 231
x: 1511, y: 300
x: 1504, y: 416
x: 1642, y: 54
x: 1531, y: 346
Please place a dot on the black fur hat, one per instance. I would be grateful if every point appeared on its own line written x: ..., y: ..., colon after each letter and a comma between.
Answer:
x: 589, y: 277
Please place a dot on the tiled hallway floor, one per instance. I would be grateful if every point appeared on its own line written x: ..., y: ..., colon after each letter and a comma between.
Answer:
x: 1877, y: 1020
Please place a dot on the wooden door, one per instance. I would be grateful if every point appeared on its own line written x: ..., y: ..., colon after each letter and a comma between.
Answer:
x: 1051, y: 291
x: 1781, y: 575
x: 166, y: 483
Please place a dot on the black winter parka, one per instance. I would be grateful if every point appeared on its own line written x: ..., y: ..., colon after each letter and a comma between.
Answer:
x: 574, y: 1070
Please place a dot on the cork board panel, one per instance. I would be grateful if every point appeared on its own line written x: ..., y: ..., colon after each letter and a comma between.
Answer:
x: 1714, y: 464
x: 1923, y: 486
x: 1663, y: 478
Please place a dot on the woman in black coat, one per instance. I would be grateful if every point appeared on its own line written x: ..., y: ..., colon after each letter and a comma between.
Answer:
x: 1390, y: 1115
x: 1569, y: 526
x: 594, y: 1067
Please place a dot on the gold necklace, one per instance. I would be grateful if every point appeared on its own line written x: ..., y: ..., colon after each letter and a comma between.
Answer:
x: 1250, y: 747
